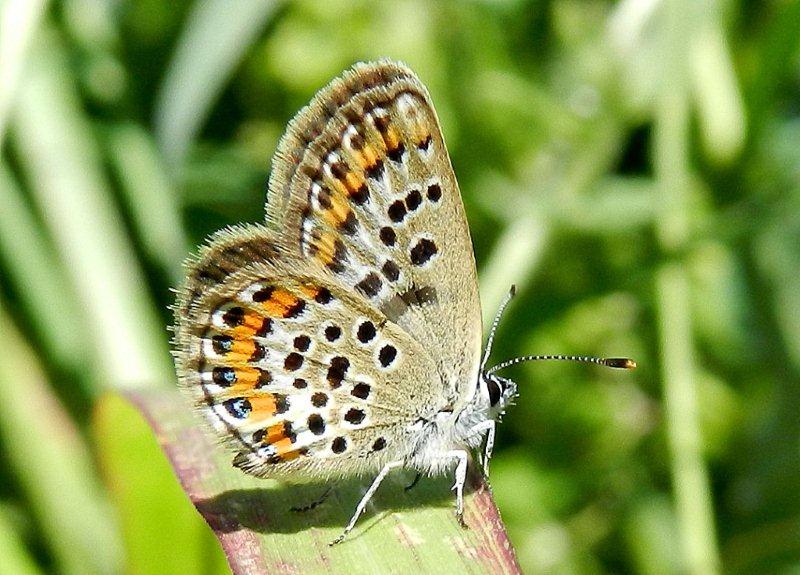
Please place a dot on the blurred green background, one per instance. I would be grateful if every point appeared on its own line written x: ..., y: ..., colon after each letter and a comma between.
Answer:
x: 633, y: 166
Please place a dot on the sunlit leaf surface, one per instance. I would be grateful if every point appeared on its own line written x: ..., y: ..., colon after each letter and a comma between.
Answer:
x: 402, y: 531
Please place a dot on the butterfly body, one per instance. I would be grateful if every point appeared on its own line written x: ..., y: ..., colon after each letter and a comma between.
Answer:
x: 343, y: 336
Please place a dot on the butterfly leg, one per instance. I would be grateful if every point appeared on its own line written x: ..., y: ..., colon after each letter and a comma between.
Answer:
x: 461, y: 478
x: 367, y: 496
x: 413, y: 483
x: 489, y: 427
x: 316, y: 503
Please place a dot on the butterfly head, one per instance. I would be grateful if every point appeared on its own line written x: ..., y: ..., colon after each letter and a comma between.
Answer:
x: 497, y: 392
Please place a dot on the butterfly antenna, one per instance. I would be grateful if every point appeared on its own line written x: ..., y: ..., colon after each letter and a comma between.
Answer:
x: 616, y: 362
x: 495, y: 323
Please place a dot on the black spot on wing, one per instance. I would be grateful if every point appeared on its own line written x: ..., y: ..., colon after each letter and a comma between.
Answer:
x: 434, y: 192
x: 370, y: 285
x: 424, y: 144
x: 337, y: 371
x: 293, y: 361
x: 414, y: 296
x: 391, y: 271
x: 302, y: 343
x: 223, y: 376
x: 360, y: 390
x: 336, y: 265
x: 397, y: 211
x: 222, y: 344
x: 388, y: 236
x: 396, y: 155
x: 387, y: 355
x: 319, y: 399
x: 266, y: 328
x: 323, y: 296
x: 263, y: 294
x: 413, y: 200
x: 360, y: 195
x: 423, y: 251
x: 238, y: 407
x: 339, y: 445
x: 332, y: 333
x: 259, y: 352
x: 316, y: 424
x: 354, y: 416
x: 350, y: 224
x: 366, y: 332
x: 233, y: 317
x: 264, y: 378
x: 375, y: 172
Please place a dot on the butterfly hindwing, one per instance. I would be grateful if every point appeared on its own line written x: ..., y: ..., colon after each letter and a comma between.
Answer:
x: 293, y: 369
x: 362, y: 186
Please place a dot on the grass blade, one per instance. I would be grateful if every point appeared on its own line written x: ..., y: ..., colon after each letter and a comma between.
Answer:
x: 211, y: 46
x: 52, y: 464
x: 692, y: 489
x: 60, y: 158
x: 38, y: 277
x: 151, y: 199
x: 161, y: 532
x: 19, y: 20
x: 13, y: 555
x: 402, y: 532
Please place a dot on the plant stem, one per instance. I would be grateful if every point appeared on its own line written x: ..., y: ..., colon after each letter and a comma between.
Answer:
x: 672, y: 136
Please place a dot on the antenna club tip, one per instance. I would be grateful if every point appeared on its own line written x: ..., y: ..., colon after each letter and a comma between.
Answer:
x: 513, y: 290
x: 620, y: 362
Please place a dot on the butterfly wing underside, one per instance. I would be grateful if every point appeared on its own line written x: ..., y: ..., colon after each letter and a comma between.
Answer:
x: 300, y: 376
x: 325, y: 335
x: 362, y: 186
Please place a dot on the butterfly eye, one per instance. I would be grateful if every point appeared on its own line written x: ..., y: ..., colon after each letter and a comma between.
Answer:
x: 494, y: 391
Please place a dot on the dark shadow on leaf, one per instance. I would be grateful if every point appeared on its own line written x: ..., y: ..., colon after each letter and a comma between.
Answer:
x: 269, y: 510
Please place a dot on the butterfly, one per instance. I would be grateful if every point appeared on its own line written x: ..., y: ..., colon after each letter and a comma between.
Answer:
x: 343, y: 336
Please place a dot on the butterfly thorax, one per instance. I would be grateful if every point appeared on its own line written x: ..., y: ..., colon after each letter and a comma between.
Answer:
x: 449, y: 430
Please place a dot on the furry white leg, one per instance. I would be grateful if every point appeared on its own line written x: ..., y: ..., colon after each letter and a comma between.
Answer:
x: 367, y: 496
x: 461, y: 478
x: 489, y: 427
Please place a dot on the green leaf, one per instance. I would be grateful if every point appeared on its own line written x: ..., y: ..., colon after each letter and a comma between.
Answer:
x: 52, y: 464
x: 14, y: 557
x: 60, y: 157
x: 401, y: 532
x: 162, y: 534
x: 214, y: 41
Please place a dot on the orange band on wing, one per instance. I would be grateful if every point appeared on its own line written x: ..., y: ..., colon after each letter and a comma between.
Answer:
x: 251, y: 324
x: 249, y: 378
x: 326, y: 247
x: 391, y: 138
x: 310, y: 291
x: 368, y: 157
x: 353, y: 181
x: 275, y: 433
x: 283, y: 297
x: 282, y: 304
x: 267, y: 405
x: 339, y: 205
x: 241, y: 350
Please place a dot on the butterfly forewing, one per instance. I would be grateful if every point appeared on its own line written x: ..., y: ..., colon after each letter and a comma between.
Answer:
x: 362, y: 186
x: 294, y: 369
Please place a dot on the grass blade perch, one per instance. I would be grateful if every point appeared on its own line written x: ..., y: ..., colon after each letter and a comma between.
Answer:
x: 402, y: 531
